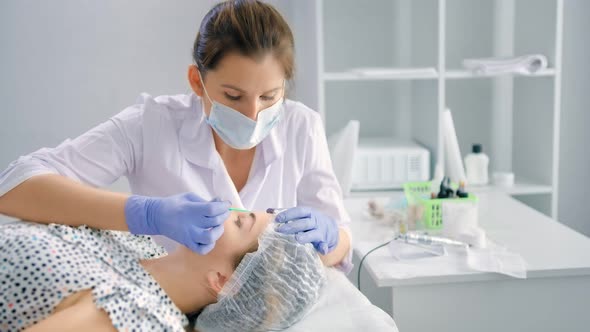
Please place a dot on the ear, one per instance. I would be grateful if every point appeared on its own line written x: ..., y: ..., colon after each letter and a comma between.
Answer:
x: 216, y: 280
x: 195, y: 80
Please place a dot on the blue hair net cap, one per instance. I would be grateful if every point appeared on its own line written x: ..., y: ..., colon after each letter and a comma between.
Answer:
x: 271, y: 289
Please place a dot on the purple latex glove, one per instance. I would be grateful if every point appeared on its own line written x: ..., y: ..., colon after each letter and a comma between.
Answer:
x: 309, y: 226
x: 186, y: 218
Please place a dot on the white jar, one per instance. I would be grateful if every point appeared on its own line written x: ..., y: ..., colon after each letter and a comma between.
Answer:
x: 476, y: 166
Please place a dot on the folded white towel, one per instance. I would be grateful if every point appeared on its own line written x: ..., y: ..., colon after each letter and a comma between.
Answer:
x: 524, y: 65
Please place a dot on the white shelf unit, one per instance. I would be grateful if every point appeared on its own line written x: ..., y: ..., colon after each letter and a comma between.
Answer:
x: 516, y: 118
x: 461, y: 74
x: 350, y: 76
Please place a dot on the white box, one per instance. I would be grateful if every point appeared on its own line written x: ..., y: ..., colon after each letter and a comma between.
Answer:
x: 387, y: 163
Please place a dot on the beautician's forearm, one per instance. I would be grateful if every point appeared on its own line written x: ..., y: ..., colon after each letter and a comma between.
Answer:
x: 54, y: 198
x: 340, y: 252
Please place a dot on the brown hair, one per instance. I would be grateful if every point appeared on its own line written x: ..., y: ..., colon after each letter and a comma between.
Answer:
x: 250, y: 27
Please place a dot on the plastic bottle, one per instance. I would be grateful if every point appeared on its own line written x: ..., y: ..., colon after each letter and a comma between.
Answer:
x: 476, y: 166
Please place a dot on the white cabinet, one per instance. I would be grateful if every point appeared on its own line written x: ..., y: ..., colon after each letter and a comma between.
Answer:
x: 515, y: 118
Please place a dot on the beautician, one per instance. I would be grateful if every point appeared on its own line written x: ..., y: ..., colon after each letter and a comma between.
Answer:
x: 236, y: 141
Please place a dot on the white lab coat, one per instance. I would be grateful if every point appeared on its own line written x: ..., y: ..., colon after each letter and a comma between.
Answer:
x: 164, y: 147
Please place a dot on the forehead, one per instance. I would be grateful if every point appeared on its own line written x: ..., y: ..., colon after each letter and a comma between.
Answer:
x: 250, y: 74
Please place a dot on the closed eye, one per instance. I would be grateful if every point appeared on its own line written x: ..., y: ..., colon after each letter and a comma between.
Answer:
x: 267, y: 98
x: 236, y: 98
x: 232, y: 98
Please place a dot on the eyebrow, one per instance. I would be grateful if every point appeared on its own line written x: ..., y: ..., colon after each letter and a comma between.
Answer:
x: 243, y: 91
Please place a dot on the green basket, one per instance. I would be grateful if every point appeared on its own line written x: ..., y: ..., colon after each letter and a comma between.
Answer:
x: 419, y: 193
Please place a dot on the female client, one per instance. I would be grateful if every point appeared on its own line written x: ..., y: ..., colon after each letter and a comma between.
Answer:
x: 57, y: 277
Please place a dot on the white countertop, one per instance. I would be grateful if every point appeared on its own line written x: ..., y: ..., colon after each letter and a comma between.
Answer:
x: 549, y: 248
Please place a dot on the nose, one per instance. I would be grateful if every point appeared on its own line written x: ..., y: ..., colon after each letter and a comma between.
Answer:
x: 251, y: 109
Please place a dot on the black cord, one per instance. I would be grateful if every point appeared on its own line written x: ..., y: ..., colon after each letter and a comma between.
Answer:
x: 358, y: 277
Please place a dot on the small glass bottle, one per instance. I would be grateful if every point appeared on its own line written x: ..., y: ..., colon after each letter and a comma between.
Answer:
x: 476, y: 166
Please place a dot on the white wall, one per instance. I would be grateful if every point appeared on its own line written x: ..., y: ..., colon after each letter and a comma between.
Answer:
x: 574, y: 173
x: 67, y: 65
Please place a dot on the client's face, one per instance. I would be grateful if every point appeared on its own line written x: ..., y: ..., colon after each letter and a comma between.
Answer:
x: 285, y: 276
x: 240, y: 236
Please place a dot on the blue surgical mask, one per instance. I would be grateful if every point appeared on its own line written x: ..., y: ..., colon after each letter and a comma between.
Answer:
x: 239, y: 131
